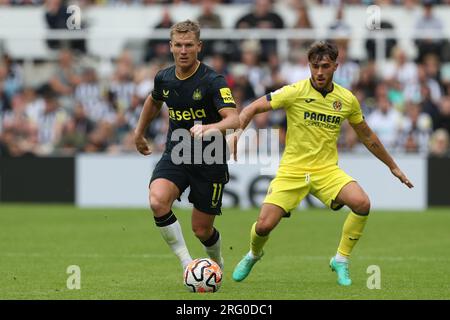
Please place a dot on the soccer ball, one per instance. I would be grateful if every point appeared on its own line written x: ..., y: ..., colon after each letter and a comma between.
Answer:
x: 203, y: 275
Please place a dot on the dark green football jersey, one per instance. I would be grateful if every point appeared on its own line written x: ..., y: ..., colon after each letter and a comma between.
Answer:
x: 196, y: 99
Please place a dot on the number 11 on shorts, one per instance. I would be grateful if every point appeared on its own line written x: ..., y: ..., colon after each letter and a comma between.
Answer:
x: 216, y: 194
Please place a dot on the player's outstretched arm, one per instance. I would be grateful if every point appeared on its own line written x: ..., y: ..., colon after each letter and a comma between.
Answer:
x: 371, y: 141
x: 260, y: 105
x: 149, y: 112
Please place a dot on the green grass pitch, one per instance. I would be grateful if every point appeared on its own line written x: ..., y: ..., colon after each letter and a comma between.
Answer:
x: 122, y: 255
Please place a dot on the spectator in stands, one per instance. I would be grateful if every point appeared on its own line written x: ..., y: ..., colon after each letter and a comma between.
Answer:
x: 122, y: 82
x: 50, y: 122
x: 364, y: 101
x: 445, y: 78
x: 386, y: 122
x: 443, y: 119
x: 253, y: 138
x: 256, y: 72
x: 274, y: 79
x: 11, y: 75
x: 157, y: 130
x: 219, y: 64
x: 71, y: 141
x: 125, y: 145
x: 16, y: 118
x: 367, y: 81
x: 389, y: 43
x: 428, y: 105
x: 401, y: 74
x: 208, y: 19
x: 160, y: 48
x: 432, y: 65
x: 11, y: 146
x: 347, y: 74
x: 339, y: 28
x: 83, y: 125
x: 67, y: 75
x: 17, y: 123
x: 126, y: 120
x: 239, y: 1
x: 56, y: 16
x: 431, y: 83
x: 34, y: 103
x: 296, y: 68
x: 89, y: 91
x: 348, y: 140
x: 440, y: 144
x: 100, y: 138
x: 132, y: 114
x: 143, y: 79
x: 262, y: 17
x: 242, y: 83
x: 302, y: 22
x: 4, y: 104
x: 429, y: 24
x: 415, y: 130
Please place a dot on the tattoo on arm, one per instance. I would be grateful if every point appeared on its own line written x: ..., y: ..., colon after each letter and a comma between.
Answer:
x: 366, y: 131
x: 374, y: 145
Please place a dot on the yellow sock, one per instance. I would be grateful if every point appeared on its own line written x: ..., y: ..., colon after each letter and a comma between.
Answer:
x: 257, y: 242
x: 351, y: 232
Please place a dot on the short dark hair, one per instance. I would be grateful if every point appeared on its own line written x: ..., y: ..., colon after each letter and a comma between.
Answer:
x: 320, y: 49
x: 184, y: 27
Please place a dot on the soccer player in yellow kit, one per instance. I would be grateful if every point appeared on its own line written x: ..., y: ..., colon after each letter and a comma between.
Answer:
x: 315, y: 109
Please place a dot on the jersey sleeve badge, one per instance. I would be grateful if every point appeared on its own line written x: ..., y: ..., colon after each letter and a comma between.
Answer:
x: 226, y: 95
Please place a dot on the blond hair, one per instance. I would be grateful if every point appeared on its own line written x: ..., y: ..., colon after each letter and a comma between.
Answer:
x: 184, y: 27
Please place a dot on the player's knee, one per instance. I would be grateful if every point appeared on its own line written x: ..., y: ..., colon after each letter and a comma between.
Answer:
x: 263, y: 227
x: 201, y: 232
x: 159, y: 205
x: 362, y: 206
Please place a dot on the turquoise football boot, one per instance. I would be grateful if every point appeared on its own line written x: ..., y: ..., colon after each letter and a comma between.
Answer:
x: 341, y: 268
x: 244, y: 267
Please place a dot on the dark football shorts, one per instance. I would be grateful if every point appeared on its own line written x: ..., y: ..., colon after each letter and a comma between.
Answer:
x: 206, y: 181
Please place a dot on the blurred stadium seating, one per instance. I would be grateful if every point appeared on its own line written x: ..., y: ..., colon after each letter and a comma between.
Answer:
x: 55, y: 101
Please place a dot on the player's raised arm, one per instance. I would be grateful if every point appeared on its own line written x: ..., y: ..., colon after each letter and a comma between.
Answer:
x: 258, y: 106
x: 149, y: 112
x: 371, y: 141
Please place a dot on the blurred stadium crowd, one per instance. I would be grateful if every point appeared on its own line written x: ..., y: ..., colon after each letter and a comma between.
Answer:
x: 150, y: 2
x: 83, y: 109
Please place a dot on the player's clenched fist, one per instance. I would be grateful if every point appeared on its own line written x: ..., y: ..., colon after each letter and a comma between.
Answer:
x: 142, y: 145
x: 197, y: 131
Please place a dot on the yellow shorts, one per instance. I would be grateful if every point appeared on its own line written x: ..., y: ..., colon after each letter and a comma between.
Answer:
x: 290, y: 187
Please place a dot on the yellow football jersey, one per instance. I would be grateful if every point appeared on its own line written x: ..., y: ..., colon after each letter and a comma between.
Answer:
x: 314, y: 123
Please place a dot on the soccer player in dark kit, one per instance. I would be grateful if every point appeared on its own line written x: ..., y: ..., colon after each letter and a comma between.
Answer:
x: 201, y: 110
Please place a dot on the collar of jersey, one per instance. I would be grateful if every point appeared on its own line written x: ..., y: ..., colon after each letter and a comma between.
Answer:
x: 193, y: 72
x: 323, y: 93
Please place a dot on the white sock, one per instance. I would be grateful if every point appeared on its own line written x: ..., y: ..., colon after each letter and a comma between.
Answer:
x: 250, y: 253
x: 214, y: 251
x: 340, y: 258
x: 174, y: 238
